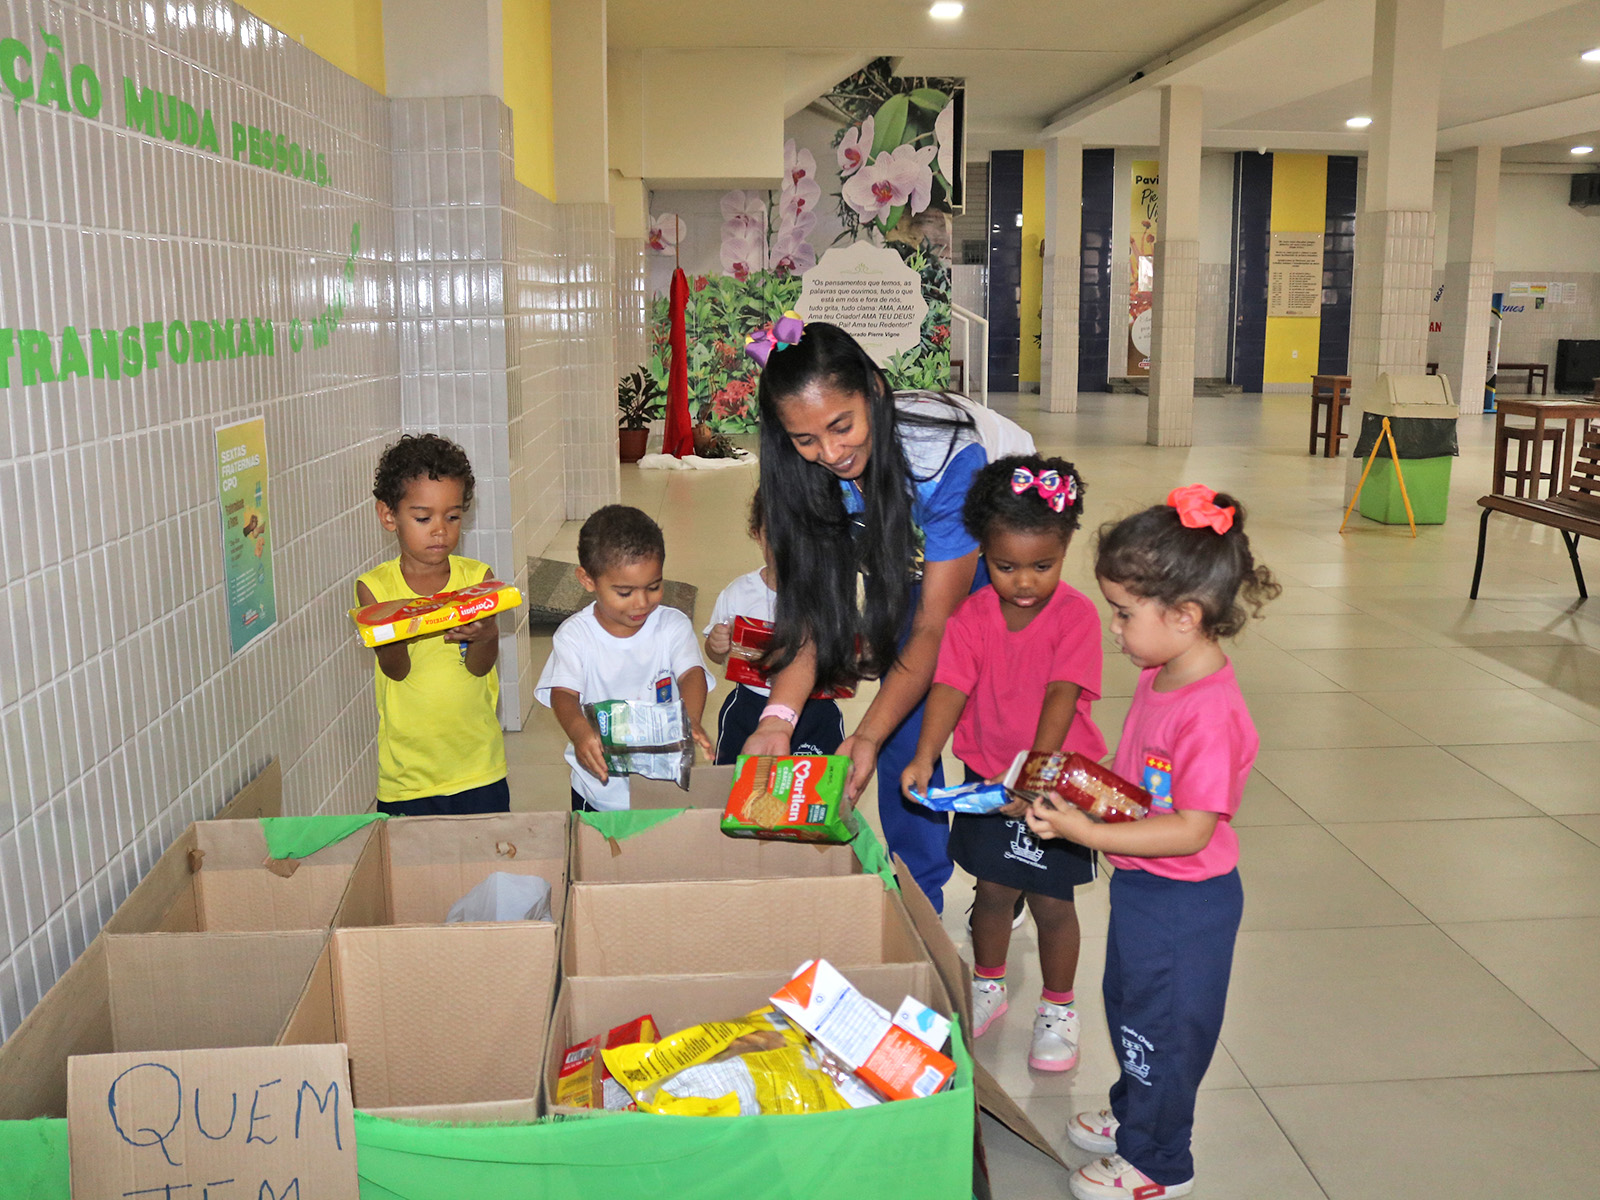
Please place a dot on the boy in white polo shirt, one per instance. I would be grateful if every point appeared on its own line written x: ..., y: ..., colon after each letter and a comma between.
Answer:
x: 624, y: 646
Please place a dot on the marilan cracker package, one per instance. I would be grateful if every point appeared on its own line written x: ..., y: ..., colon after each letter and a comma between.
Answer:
x: 397, y: 620
x: 792, y: 799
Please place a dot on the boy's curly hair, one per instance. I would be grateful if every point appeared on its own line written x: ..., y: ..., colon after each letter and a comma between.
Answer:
x: 991, y: 502
x: 1155, y: 556
x: 415, y: 455
x: 618, y: 534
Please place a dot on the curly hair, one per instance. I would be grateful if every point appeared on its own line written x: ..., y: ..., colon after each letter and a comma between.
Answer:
x: 415, y: 455
x: 992, y: 502
x: 618, y: 534
x: 1155, y: 556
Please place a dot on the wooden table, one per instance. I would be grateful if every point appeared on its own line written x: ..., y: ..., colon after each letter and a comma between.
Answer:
x: 1541, y: 410
x: 1534, y: 369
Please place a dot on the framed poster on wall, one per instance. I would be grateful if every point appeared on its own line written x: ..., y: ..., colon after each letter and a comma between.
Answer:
x: 247, y: 584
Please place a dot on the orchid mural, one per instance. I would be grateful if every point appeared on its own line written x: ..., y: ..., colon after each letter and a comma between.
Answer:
x: 666, y: 231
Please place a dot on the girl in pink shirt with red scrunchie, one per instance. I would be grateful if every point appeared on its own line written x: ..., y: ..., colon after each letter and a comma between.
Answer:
x: 1178, y: 577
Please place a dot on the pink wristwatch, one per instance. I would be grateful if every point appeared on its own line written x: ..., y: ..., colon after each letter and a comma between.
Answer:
x: 783, y: 712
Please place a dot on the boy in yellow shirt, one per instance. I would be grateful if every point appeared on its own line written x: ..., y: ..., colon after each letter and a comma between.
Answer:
x: 440, y: 749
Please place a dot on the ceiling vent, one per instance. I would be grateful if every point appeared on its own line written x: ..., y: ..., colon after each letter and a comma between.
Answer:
x: 1585, y: 195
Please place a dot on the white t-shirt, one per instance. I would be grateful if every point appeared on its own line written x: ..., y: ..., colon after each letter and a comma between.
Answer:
x: 747, y: 596
x: 601, y: 666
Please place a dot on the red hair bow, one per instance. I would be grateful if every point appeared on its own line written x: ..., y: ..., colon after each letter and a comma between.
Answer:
x: 1197, y: 509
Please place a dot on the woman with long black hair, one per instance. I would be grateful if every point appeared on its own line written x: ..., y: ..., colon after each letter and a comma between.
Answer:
x: 859, y: 481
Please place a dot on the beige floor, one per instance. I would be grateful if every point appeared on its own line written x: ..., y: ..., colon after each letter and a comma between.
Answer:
x: 1415, y: 1007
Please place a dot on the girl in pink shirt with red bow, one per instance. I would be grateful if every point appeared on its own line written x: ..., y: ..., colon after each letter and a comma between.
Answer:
x: 1179, y: 578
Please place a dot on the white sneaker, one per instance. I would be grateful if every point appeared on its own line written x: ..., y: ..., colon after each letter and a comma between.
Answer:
x: 1055, y: 1038
x: 1115, y: 1178
x: 1095, y: 1132
x: 988, y: 1002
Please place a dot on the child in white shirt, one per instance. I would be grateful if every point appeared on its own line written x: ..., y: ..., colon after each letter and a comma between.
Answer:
x: 752, y: 595
x: 624, y: 646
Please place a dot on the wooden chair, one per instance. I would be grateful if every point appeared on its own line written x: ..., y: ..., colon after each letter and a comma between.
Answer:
x: 1574, y: 510
x: 1528, y: 477
x: 1333, y: 393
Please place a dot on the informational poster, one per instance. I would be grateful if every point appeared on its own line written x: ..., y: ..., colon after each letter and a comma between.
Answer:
x: 870, y: 293
x: 1569, y: 293
x: 1294, y: 275
x: 246, y: 531
x: 1144, y: 215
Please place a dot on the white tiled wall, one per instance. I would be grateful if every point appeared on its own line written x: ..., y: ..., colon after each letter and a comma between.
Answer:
x: 1211, y: 323
x: 122, y: 716
x: 1531, y: 335
x: 633, y: 341
x: 478, y: 309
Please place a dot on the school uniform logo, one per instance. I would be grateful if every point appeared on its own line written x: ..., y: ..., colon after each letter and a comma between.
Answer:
x: 1157, y: 780
x: 1134, y: 1047
x: 1024, y: 848
x: 664, y: 690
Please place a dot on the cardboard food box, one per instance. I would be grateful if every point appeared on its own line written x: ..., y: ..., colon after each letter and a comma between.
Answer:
x: 797, y: 798
x: 447, y: 1020
x: 588, y: 1006
x: 398, y: 620
x: 710, y: 926
x: 74, y: 1016
x: 423, y: 865
x: 691, y: 845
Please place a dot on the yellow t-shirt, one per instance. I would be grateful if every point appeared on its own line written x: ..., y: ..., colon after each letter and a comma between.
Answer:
x: 437, y: 729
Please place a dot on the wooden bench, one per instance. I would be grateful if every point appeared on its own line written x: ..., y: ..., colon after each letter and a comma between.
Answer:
x: 1574, y: 510
x: 1535, y: 370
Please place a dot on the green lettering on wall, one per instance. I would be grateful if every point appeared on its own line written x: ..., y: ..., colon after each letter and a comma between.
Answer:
x: 103, y: 350
x: 266, y: 338
x: 8, y: 347
x: 202, y: 341
x: 139, y: 106
x: 178, y: 342
x: 35, y: 357
x: 132, y: 352
x: 73, y: 359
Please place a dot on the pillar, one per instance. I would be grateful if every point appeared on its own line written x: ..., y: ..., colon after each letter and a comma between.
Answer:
x: 1469, y: 272
x: 1177, y: 271
x: 1063, y: 234
x: 1395, y: 227
x: 578, y: 63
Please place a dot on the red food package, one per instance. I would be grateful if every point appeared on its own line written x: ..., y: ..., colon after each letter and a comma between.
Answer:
x: 750, y: 638
x: 1084, y: 783
x: 584, y: 1082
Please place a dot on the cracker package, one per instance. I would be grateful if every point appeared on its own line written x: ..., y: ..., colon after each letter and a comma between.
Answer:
x: 892, y: 1055
x: 397, y: 620
x: 975, y: 798
x: 792, y: 799
x: 750, y: 639
x: 584, y: 1081
x: 1081, y: 782
x: 646, y: 739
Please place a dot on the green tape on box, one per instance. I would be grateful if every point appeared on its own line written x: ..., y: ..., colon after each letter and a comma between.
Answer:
x: 919, y: 1148
x: 33, y: 1155
x: 301, y: 837
x: 870, y: 853
x: 620, y: 824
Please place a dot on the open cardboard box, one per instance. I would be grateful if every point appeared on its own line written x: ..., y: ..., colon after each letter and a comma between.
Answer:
x: 708, y: 788
x: 443, y: 1022
x: 735, y: 926
x: 423, y: 865
x: 75, y: 1016
x: 592, y: 1005
x: 692, y: 845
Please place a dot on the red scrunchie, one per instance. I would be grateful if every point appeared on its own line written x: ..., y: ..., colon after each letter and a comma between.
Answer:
x: 1197, y: 508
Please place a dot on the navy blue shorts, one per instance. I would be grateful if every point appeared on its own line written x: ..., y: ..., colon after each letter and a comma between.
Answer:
x: 490, y: 798
x: 1001, y: 850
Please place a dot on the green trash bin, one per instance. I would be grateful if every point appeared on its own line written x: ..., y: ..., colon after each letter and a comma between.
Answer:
x: 1422, y: 416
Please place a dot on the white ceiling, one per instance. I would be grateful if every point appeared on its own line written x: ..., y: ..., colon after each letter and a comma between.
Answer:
x: 1283, y: 74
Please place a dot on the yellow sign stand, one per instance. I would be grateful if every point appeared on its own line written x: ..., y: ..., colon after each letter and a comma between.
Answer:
x: 1394, y: 454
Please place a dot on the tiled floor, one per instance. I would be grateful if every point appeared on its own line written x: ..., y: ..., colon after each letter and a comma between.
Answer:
x: 1415, y: 1007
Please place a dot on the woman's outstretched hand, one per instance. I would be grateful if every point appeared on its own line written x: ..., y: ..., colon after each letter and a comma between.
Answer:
x: 862, y: 752
x: 771, y: 737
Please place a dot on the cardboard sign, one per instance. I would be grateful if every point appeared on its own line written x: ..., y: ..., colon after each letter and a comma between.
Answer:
x: 255, y: 1123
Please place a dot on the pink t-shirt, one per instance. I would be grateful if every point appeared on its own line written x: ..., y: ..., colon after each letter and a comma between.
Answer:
x: 1005, y: 674
x: 1192, y: 748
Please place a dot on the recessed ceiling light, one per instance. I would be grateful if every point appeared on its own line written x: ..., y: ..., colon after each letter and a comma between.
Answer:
x: 1359, y: 122
x: 945, y: 10
x: 1591, y: 55
x: 1583, y: 149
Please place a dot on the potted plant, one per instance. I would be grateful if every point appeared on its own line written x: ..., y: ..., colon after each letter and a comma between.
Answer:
x: 639, y: 399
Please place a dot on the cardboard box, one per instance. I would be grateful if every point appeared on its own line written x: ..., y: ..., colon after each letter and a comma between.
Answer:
x: 453, y: 1017
x: 74, y: 1016
x: 718, y: 926
x: 708, y: 788
x: 422, y: 865
x: 591, y: 1005
x: 692, y: 845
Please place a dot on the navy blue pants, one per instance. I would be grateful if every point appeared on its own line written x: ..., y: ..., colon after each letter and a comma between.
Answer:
x: 490, y: 798
x: 820, y: 730
x: 918, y: 835
x: 1169, y: 951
